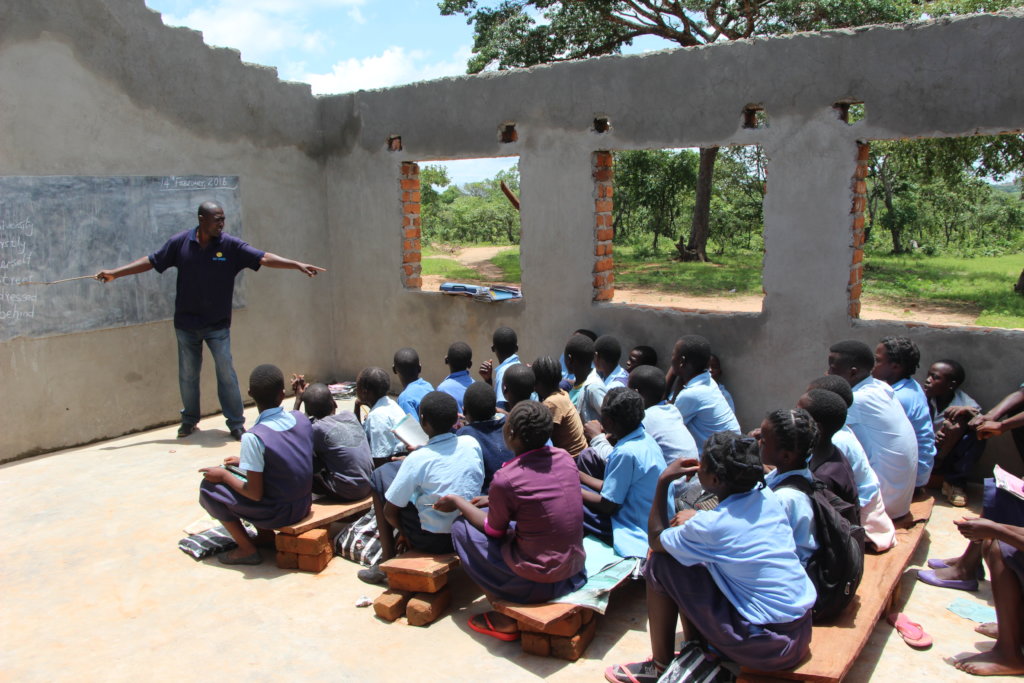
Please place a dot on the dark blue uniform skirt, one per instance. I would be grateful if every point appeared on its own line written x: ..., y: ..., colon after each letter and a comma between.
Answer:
x: 225, y: 505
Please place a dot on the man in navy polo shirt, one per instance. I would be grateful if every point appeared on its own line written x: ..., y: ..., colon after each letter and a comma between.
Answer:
x: 207, y: 260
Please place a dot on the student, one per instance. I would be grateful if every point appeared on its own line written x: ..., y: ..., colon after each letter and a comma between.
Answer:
x: 404, y: 492
x: 523, y: 542
x: 957, y: 447
x: 569, y: 379
x: 715, y: 368
x: 407, y: 367
x: 342, y: 463
x: 276, y: 458
x: 896, y: 361
x: 661, y: 419
x: 516, y: 385
x: 827, y: 463
x: 878, y: 528
x: 616, y: 501
x: 785, y: 440
x: 504, y: 343
x: 607, y: 352
x: 702, y: 405
x: 567, y: 428
x: 641, y: 355
x: 1006, y: 416
x: 731, y: 574
x: 588, y: 392
x: 372, y: 386
x: 881, y: 426
x: 485, y: 425
x: 459, y: 360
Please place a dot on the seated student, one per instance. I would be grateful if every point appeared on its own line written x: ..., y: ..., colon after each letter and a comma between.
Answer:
x: 587, y: 394
x: 526, y: 543
x: 1006, y: 416
x: 569, y: 379
x: 731, y: 573
x: 567, y: 429
x: 459, y: 360
x: 957, y: 448
x: 878, y: 528
x: 342, y: 463
x: 881, y: 426
x: 616, y: 501
x: 641, y: 355
x: 896, y: 361
x: 276, y: 455
x: 607, y: 352
x: 702, y: 405
x: 715, y: 368
x: 407, y: 367
x: 504, y: 343
x: 516, y: 385
x: 827, y: 463
x: 661, y: 419
x: 404, y: 491
x: 485, y: 425
x: 372, y: 386
x: 785, y: 439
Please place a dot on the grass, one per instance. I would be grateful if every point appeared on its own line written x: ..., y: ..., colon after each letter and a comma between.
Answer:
x: 731, y: 274
x: 448, y: 268
x: 508, y: 261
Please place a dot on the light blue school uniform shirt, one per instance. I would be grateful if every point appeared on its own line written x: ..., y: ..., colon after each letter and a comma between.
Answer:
x: 665, y: 425
x: 499, y: 373
x: 704, y: 409
x: 383, y: 417
x: 455, y: 385
x: 589, y: 397
x: 630, y: 476
x: 866, y: 479
x: 915, y: 404
x: 960, y: 398
x: 728, y: 397
x: 882, y: 428
x: 798, y: 509
x: 747, y: 546
x: 616, y: 378
x: 409, y: 399
x: 448, y: 464
x: 251, y: 457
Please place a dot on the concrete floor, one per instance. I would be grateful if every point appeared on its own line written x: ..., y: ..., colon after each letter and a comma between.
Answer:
x: 96, y: 589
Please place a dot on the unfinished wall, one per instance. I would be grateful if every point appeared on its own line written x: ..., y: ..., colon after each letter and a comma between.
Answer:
x: 104, y: 88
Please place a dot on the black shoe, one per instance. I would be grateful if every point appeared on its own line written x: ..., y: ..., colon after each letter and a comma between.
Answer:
x: 372, y: 574
x: 186, y: 429
x: 237, y: 432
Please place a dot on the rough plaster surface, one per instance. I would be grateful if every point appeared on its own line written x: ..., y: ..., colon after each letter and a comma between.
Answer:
x: 318, y: 184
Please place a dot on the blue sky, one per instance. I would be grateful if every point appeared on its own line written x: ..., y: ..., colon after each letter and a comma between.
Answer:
x: 341, y: 46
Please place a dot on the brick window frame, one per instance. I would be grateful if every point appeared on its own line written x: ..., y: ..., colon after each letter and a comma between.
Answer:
x: 409, y: 188
x: 859, y: 204
x: 604, y: 181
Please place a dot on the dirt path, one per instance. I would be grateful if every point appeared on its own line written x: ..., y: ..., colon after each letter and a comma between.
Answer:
x: 479, y: 259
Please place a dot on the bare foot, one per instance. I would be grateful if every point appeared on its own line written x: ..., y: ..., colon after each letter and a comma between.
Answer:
x: 991, y: 663
x: 990, y: 629
x: 265, y: 538
x: 502, y: 623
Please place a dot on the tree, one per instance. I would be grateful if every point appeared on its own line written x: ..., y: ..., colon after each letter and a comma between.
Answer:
x: 651, y: 193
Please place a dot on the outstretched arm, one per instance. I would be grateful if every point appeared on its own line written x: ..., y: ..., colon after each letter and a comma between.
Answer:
x: 140, y: 265
x: 658, y: 520
x: 274, y: 261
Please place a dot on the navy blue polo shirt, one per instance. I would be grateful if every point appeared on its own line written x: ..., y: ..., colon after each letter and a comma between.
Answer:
x: 206, y: 277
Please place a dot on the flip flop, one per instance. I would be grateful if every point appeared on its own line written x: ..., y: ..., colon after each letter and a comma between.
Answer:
x: 935, y: 563
x: 489, y: 630
x: 634, y: 672
x: 928, y: 576
x: 912, y: 633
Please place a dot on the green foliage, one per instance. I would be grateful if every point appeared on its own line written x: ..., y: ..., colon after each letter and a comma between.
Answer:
x: 449, y: 269
x: 736, y: 273
x: 474, y: 213
x: 508, y: 261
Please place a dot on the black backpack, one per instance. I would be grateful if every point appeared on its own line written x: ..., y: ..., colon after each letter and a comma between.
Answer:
x: 837, y: 566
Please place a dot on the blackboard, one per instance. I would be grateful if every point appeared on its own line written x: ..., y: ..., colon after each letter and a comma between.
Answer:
x: 56, y: 227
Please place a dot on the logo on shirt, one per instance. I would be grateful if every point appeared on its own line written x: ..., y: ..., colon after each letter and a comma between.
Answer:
x: 219, y: 256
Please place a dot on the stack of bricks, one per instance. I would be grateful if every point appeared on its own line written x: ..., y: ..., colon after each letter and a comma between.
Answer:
x: 860, y: 199
x: 410, y: 192
x: 417, y: 588
x: 552, y: 630
x: 309, y: 551
x: 604, y: 277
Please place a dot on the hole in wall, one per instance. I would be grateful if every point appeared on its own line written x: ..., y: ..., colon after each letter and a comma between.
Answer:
x: 754, y: 116
x: 850, y: 111
x: 602, y: 124
x: 394, y: 143
x: 507, y: 132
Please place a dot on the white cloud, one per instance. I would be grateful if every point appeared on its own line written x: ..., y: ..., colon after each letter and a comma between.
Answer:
x: 395, y: 66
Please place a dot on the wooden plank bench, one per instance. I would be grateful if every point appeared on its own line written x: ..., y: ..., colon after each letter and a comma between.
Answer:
x: 836, y: 646
x: 306, y: 545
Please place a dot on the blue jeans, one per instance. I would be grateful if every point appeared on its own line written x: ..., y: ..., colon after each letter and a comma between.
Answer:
x: 190, y: 363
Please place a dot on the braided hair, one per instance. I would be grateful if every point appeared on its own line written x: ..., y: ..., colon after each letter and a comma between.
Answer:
x: 795, y: 429
x: 531, y: 422
x: 904, y: 352
x: 735, y: 460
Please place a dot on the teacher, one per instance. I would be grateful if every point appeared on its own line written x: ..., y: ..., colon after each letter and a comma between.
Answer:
x: 207, y: 259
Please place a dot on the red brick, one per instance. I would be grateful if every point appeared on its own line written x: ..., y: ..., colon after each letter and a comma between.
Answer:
x: 406, y: 221
x: 588, y: 615
x: 412, y: 257
x: 855, y: 291
x: 411, y: 245
x: 854, y: 309
x: 609, y: 191
x: 858, y: 222
x: 411, y: 233
x: 603, y: 174
x: 863, y: 151
x: 287, y: 560
x: 410, y: 184
x: 425, y: 608
x: 310, y: 543
x: 603, y: 205
x: 855, y: 273
x: 407, y: 269
x: 860, y: 187
x: 416, y: 221
x: 316, y: 563
x: 410, y: 169
x: 858, y: 205
x: 858, y: 256
x: 863, y: 169
x: 536, y: 644
x: 858, y: 238
x: 604, y: 235
x: 417, y: 583
x: 414, y: 283
x: 601, y: 249
x: 603, y: 264
x: 603, y: 159
x: 391, y: 604
x: 606, y: 294
x: 572, y: 648
x: 411, y: 208
x: 611, y: 278
x: 601, y: 280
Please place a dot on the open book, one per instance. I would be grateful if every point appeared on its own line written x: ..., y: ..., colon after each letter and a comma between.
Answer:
x: 410, y: 433
x: 1008, y: 482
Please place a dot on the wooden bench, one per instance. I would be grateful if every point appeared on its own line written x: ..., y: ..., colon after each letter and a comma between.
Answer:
x: 306, y: 545
x: 836, y: 646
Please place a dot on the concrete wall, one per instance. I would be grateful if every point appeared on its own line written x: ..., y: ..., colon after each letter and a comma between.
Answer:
x: 126, y: 95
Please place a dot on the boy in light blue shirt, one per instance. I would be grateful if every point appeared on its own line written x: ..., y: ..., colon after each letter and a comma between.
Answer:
x: 607, y: 352
x: 459, y: 360
x: 372, y: 386
x: 703, y: 407
x: 587, y: 394
x: 504, y: 344
x: 407, y: 367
